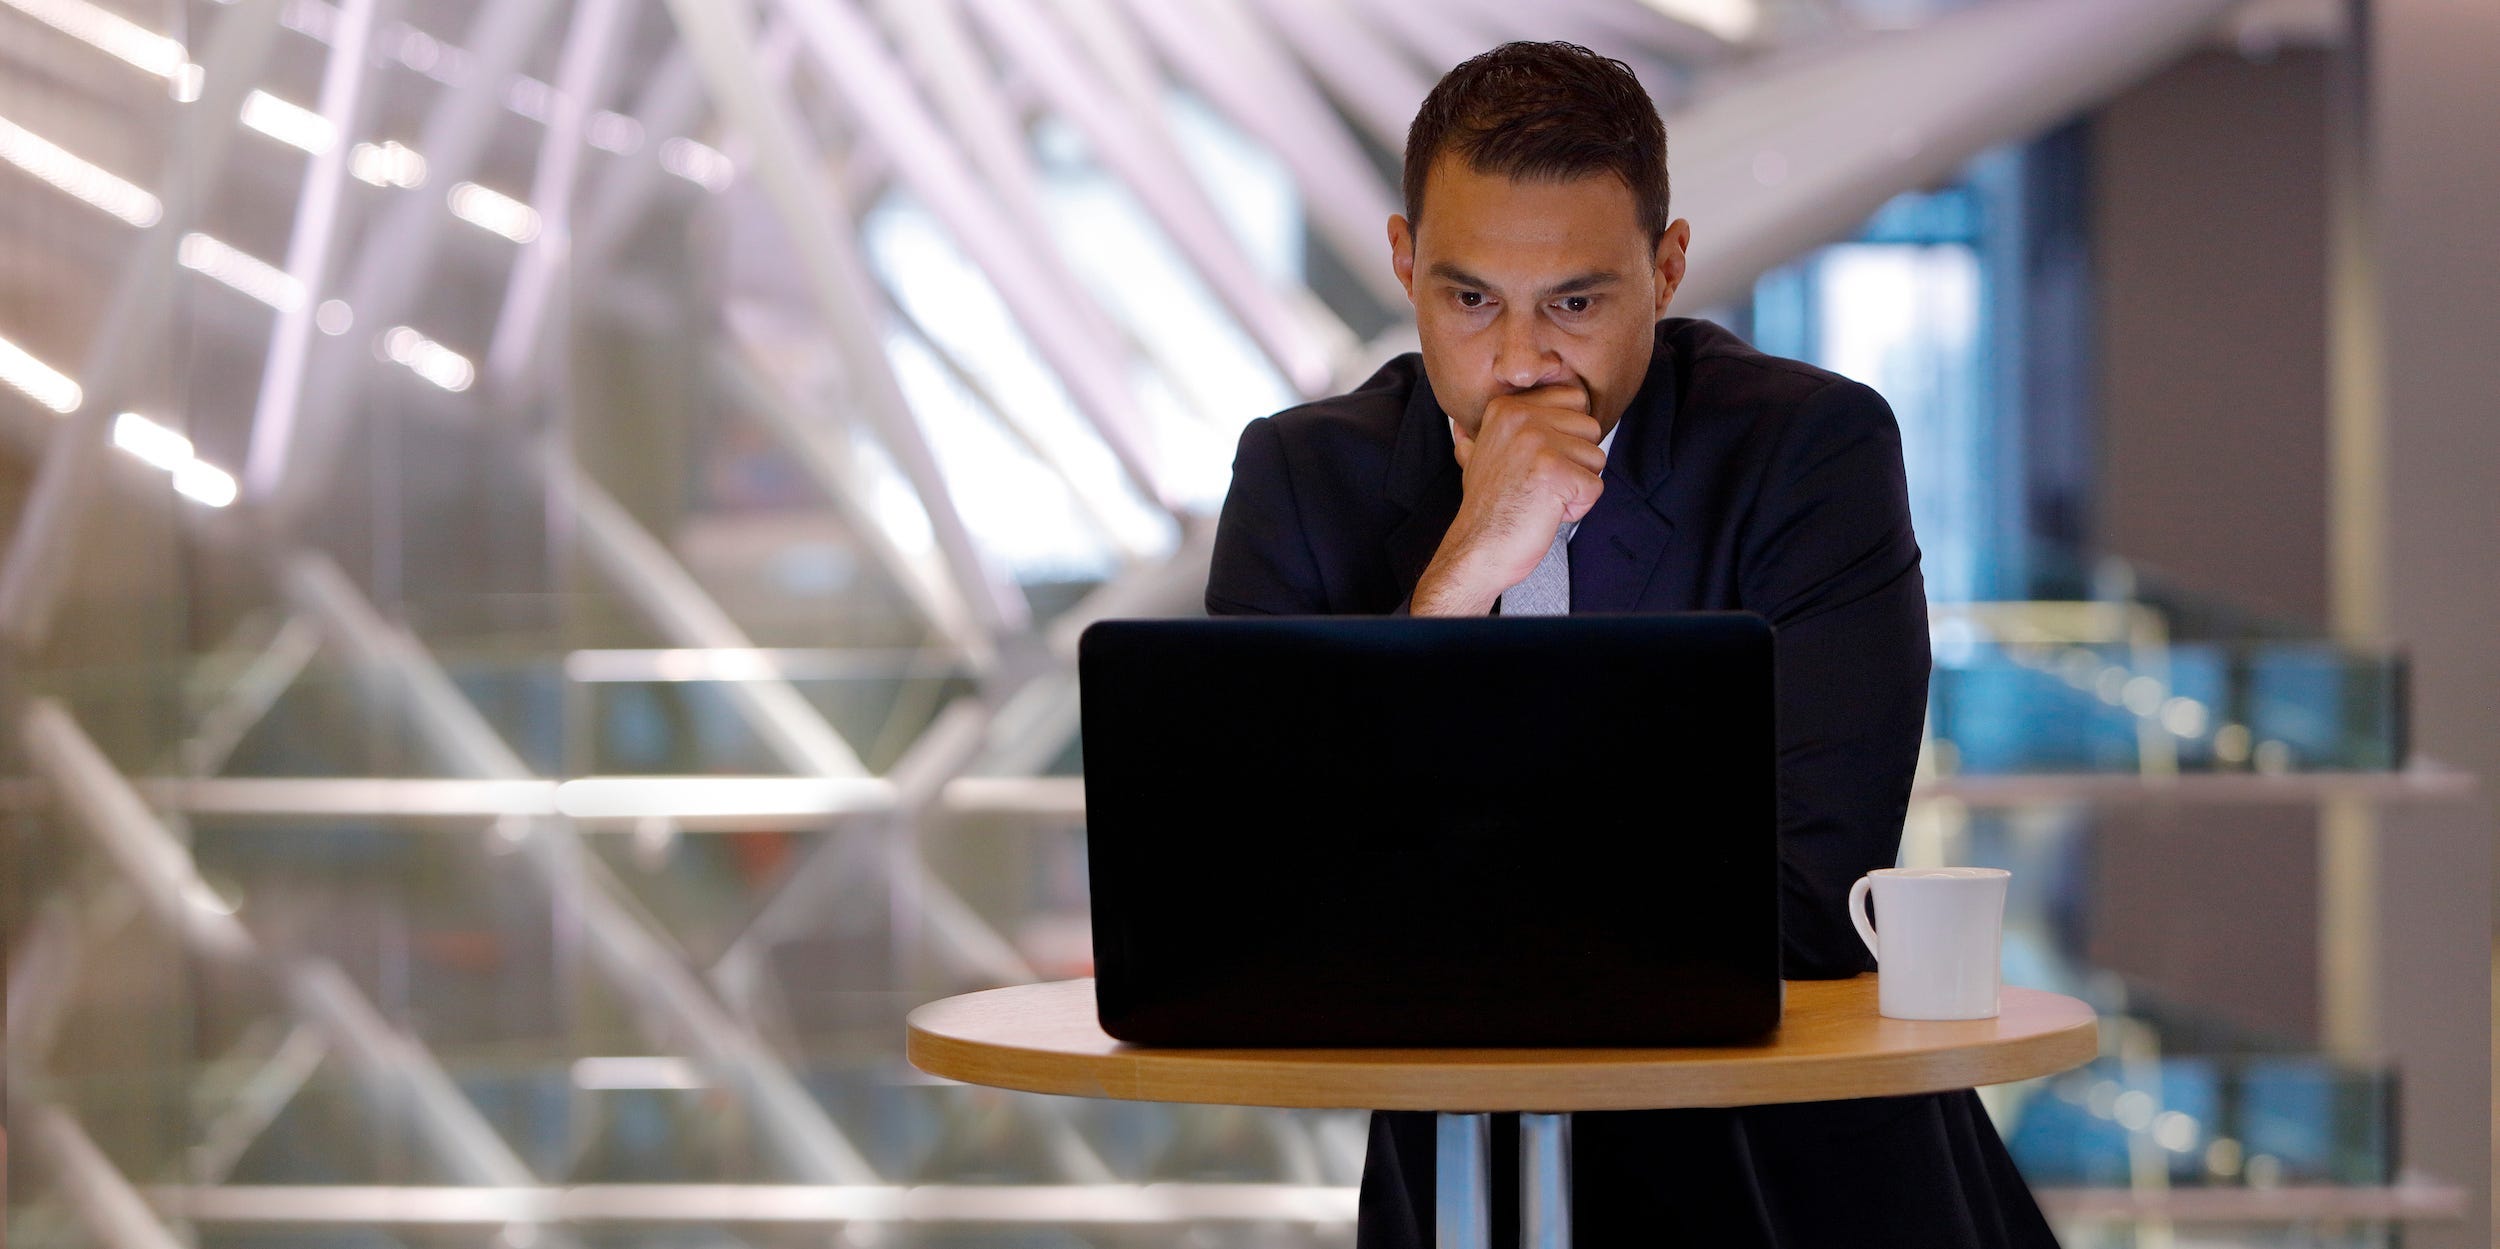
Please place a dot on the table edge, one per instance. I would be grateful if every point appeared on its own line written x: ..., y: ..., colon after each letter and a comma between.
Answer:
x: 1684, y: 1083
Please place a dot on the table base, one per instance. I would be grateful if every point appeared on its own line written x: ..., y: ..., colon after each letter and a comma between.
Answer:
x: 1462, y: 1183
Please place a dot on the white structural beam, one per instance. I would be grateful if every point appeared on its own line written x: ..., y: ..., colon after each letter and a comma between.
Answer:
x: 518, y: 346
x: 620, y: 943
x: 747, y: 803
x: 1377, y: 84
x: 824, y: 242
x: 1235, y: 64
x: 130, y: 335
x: 821, y: 449
x: 1018, y: 424
x: 1798, y: 155
x: 312, y: 245
x: 1438, y: 39
x: 397, y: 260
x: 1138, y: 147
x: 95, y: 1189
x: 1049, y: 303
x: 160, y: 868
x: 987, y: 127
x: 677, y: 606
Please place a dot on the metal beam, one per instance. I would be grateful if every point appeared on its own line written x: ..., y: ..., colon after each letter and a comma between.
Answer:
x: 256, y: 1101
x: 1380, y: 86
x: 620, y: 942
x: 104, y: 1200
x: 821, y: 235
x: 1018, y: 425
x: 1139, y: 148
x: 397, y: 260
x: 161, y: 870
x: 255, y: 690
x: 532, y: 293
x: 746, y: 803
x: 670, y: 104
x: 820, y: 451
x: 130, y: 334
x: 1048, y: 301
x: 1240, y: 70
x: 1439, y: 40
x: 677, y: 606
x: 796, y: 903
x: 311, y: 246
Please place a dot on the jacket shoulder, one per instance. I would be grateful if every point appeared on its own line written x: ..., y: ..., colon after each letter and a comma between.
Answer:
x: 1724, y: 371
x: 1364, y: 417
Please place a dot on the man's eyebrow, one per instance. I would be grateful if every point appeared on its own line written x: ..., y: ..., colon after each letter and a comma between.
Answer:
x: 1569, y: 286
x: 1584, y: 282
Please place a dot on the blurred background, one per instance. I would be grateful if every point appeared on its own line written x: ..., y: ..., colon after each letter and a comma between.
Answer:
x: 545, y: 540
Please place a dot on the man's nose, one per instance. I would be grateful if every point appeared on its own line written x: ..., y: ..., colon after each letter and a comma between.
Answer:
x: 1520, y: 358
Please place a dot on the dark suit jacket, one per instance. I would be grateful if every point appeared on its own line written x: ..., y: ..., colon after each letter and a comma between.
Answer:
x: 1737, y: 481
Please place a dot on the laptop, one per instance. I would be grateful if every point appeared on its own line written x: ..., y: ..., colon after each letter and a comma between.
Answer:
x: 1373, y: 831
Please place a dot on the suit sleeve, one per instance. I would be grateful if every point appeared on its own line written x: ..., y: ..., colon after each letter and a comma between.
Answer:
x: 1828, y: 557
x: 1262, y: 563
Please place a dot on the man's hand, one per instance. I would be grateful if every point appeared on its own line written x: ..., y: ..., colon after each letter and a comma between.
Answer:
x: 1532, y: 465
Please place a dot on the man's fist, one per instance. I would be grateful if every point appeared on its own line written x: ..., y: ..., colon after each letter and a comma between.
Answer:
x: 1532, y: 464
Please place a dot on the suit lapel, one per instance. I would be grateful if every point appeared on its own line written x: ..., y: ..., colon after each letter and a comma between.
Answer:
x: 1615, y: 549
x: 1621, y: 540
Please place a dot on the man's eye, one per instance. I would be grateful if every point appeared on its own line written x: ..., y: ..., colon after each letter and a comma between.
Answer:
x: 1471, y: 299
x: 1576, y: 303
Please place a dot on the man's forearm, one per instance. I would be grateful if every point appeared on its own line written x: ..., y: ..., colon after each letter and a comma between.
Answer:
x: 1447, y: 589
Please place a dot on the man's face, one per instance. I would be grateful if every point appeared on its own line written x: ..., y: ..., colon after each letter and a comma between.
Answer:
x: 1518, y: 285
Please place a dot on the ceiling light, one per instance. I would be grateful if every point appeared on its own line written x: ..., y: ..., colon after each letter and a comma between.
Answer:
x: 289, y: 123
x: 39, y: 381
x: 70, y: 172
x: 494, y: 212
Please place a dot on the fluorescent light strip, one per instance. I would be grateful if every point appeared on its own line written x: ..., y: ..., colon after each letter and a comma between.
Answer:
x: 152, y: 443
x: 39, y: 381
x: 530, y: 97
x: 78, y: 176
x: 614, y: 132
x: 636, y: 1072
x: 110, y: 32
x: 389, y: 163
x: 163, y: 448
x: 1732, y: 20
x: 703, y: 166
x: 428, y: 359
x: 247, y: 273
x: 289, y: 123
x: 206, y: 483
x: 494, y: 212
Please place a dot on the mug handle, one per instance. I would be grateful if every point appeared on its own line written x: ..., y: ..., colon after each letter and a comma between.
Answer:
x: 1857, y: 914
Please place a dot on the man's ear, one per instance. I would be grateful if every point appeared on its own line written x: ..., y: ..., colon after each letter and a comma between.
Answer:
x: 1402, y: 253
x: 1672, y: 244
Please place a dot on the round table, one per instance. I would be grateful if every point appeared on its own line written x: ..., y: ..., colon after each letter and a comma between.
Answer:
x: 1831, y: 1045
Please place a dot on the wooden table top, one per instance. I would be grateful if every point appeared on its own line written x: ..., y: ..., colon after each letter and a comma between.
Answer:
x: 1831, y: 1044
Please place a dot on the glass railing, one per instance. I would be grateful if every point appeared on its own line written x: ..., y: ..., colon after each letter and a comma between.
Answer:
x: 2052, y: 704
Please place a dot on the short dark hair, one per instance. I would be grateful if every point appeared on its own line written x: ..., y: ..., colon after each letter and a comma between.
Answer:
x: 1543, y: 111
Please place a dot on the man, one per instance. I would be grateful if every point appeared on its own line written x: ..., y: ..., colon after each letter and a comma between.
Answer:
x: 1559, y: 447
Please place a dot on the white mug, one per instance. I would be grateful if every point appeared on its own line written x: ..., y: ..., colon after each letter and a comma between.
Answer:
x: 1936, y: 954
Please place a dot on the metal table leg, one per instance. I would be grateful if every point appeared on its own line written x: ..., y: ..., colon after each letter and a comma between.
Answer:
x: 1462, y: 1217
x: 1545, y: 1181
